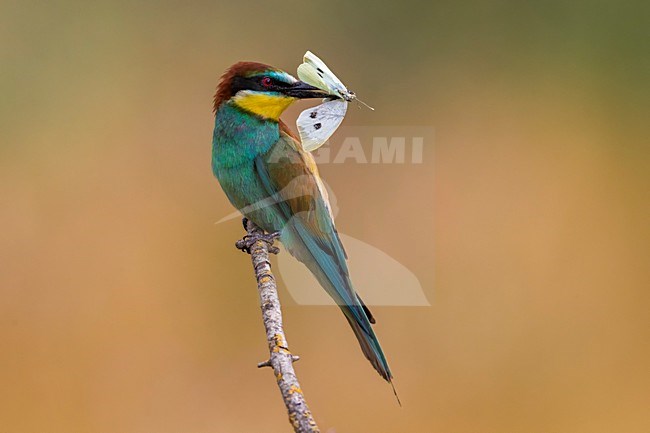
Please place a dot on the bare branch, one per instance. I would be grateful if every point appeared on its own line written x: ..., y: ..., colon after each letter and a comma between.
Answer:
x: 281, y: 360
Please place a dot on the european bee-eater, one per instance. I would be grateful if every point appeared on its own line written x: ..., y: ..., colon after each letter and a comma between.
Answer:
x: 258, y: 159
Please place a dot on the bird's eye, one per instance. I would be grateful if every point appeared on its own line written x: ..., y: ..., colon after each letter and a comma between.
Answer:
x: 266, y: 82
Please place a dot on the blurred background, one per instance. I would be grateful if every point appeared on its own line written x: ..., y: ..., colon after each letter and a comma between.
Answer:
x: 124, y: 308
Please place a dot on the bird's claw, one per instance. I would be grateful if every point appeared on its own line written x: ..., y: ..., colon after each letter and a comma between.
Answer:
x: 246, y: 243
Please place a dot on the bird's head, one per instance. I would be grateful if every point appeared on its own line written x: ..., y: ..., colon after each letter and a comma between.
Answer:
x: 261, y: 89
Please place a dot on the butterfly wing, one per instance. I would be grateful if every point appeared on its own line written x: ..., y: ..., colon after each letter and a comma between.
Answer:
x: 317, y: 124
x: 315, y: 72
x: 310, y: 75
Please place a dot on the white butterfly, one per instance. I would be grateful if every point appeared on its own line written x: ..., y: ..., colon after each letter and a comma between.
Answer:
x: 316, y: 125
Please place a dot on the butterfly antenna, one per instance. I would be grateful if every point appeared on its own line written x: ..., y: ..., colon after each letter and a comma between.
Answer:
x: 368, y: 106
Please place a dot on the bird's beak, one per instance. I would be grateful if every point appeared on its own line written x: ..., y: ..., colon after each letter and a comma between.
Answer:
x: 303, y: 90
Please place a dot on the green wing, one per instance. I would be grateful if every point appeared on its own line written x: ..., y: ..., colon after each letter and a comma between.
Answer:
x: 309, y: 234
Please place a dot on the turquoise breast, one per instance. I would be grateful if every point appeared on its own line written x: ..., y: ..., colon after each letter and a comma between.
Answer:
x: 239, y: 138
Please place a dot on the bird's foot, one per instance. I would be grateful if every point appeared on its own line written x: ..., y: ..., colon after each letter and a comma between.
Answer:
x: 246, y: 243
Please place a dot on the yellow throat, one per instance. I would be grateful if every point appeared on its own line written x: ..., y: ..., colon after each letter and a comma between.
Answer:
x: 267, y: 105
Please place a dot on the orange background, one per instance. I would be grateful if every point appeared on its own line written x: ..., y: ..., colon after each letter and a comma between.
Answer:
x: 124, y: 308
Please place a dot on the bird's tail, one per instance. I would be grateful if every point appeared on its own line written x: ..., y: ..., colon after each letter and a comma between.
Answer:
x: 370, y: 345
x: 326, y: 260
x: 368, y: 342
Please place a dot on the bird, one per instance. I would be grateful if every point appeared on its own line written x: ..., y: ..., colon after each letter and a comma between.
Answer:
x: 268, y: 176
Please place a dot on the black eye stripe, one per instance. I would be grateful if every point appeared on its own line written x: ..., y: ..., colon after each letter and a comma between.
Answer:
x: 242, y: 83
x: 255, y: 83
